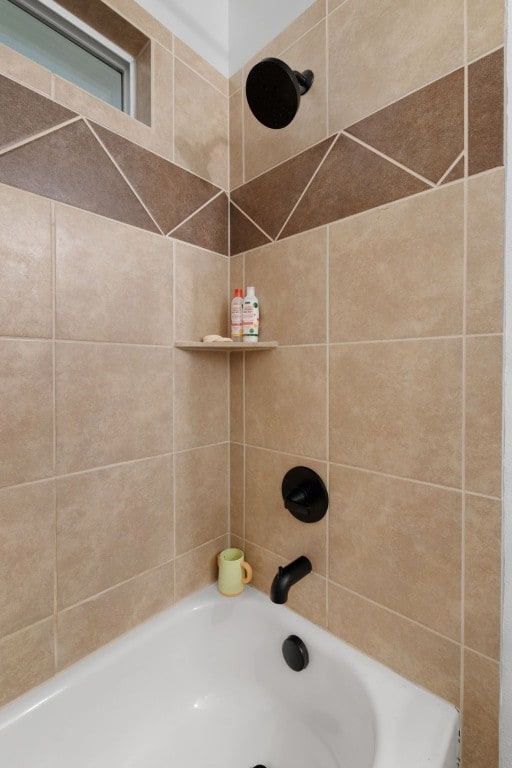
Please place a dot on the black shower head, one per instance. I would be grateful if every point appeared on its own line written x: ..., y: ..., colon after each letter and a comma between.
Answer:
x: 273, y: 92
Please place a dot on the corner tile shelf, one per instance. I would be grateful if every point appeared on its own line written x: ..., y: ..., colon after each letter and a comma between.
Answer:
x: 225, y: 346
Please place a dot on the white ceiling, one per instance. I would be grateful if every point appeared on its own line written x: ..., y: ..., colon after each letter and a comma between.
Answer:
x: 226, y: 32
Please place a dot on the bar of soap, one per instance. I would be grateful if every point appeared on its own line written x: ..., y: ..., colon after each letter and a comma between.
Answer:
x: 212, y: 337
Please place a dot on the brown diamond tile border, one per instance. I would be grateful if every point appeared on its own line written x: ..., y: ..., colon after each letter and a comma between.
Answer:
x: 244, y: 235
x: 26, y: 113
x: 170, y: 193
x: 423, y: 131
x: 208, y: 227
x: 352, y: 179
x: 486, y: 112
x: 69, y: 165
x: 269, y: 199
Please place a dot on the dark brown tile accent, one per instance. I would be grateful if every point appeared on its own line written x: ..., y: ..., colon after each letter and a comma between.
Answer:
x: 244, y: 235
x: 424, y: 131
x: 105, y: 20
x: 70, y: 165
x: 208, y: 227
x: 457, y: 172
x: 170, y: 193
x: 352, y: 179
x: 485, y: 112
x: 25, y: 113
x: 270, y: 198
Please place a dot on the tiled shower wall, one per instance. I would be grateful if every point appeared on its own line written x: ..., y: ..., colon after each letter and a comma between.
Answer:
x: 372, y: 228
x: 113, y: 445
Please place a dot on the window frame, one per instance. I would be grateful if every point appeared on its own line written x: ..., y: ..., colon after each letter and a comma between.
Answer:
x: 90, y: 40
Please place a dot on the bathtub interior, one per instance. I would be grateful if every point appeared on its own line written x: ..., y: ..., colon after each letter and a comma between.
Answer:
x: 205, y: 684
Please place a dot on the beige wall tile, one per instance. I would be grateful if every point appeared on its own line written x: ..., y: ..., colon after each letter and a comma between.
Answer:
x: 483, y: 414
x: 143, y: 84
x: 277, y: 385
x: 140, y: 18
x: 485, y: 253
x: 291, y: 285
x: 198, y: 568
x: 18, y: 67
x: 411, y: 650
x: 113, y: 282
x: 26, y: 659
x: 113, y: 404
x: 396, y: 272
x: 237, y: 490
x: 200, y: 65
x: 307, y: 597
x: 399, y: 544
x: 25, y: 265
x: 201, y: 126
x: 163, y: 102
x: 290, y: 34
x: 486, y: 24
x: 483, y: 575
x: 265, y: 147
x: 396, y: 408
x: 200, y: 399
x: 26, y: 416
x: 27, y: 555
x: 111, y: 525
x: 480, y: 712
x: 236, y: 397
x: 201, y: 288
x: 236, y: 138
x: 376, y: 58
x: 267, y: 522
x: 201, y: 480
x: 85, y: 627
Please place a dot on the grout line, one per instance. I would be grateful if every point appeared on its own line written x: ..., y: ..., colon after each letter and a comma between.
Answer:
x: 484, y: 55
x: 244, y: 463
x: 53, y: 239
x: 173, y: 409
x: 322, y: 161
x: 396, y: 613
x: 281, y: 346
x: 191, y: 216
x: 40, y: 135
x: 252, y: 222
x: 113, y: 587
x: 200, y: 447
x: 200, y: 546
x: 173, y: 153
x: 389, y: 159
x: 203, y: 77
x: 449, y: 488
x: 327, y: 413
x: 463, y: 382
x: 124, y: 176
x: 450, y: 169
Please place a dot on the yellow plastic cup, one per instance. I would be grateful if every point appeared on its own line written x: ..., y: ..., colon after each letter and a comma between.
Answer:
x: 234, y: 572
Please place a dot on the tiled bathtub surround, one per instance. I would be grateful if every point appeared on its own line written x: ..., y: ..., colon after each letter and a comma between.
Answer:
x: 375, y: 222
x: 377, y: 249
x: 408, y: 147
x: 101, y: 516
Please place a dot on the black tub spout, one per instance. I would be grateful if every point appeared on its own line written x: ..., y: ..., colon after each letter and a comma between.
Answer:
x: 287, y: 576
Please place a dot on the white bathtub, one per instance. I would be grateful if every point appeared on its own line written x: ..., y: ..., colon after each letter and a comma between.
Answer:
x: 205, y: 685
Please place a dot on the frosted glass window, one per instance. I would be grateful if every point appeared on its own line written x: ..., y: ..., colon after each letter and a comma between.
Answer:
x: 83, y: 61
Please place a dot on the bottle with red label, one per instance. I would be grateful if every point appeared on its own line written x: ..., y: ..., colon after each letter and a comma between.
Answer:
x: 237, y: 307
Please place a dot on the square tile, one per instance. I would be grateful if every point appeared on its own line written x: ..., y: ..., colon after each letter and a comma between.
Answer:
x: 113, y: 282
x: 397, y: 408
x: 111, y: 525
x: 114, y: 403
